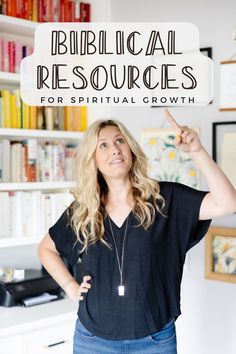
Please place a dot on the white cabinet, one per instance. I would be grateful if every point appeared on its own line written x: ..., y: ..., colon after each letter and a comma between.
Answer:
x: 56, y: 339
x: 11, y: 345
x: 42, y: 329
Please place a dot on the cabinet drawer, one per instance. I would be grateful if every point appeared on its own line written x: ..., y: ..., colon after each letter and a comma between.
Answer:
x: 56, y: 339
x: 11, y: 345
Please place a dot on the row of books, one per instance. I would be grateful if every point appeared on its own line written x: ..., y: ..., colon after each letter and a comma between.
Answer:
x: 11, y: 54
x: 30, y: 214
x: 33, y: 161
x: 47, y: 10
x: 14, y: 113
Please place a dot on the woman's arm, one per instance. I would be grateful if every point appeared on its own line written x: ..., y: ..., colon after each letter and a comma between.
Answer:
x: 53, y: 263
x: 221, y: 199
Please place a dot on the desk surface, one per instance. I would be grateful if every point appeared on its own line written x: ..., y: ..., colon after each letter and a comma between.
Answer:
x: 19, y: 319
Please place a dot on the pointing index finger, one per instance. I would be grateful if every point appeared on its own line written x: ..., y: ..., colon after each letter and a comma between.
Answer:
x: 171, y: 120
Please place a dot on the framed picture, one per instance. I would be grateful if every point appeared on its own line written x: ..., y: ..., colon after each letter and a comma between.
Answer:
x: 220, y: 253
x: 228, y: 86
x: 207, y: 51
x: 224, y: 148
x: 165, y: 161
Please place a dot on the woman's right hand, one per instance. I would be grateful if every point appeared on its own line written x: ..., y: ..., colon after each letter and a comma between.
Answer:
x: 74, y: 290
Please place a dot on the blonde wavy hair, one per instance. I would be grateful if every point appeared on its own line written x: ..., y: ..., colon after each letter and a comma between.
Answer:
x: 87, y: 212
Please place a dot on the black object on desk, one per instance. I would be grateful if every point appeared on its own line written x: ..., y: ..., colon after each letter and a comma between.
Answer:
x: 35, y: 282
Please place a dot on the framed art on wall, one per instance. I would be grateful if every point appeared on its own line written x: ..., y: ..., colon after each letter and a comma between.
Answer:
x: 224, y: 148
x: 220, y: 254
x: 207, y: 51
x: 165, y: 161
x: 228, y: 86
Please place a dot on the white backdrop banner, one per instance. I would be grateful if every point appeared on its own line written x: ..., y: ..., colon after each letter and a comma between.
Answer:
x: 124, y: 64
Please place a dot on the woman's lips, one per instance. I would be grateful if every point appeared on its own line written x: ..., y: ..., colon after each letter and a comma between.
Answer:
x: 117, y: 161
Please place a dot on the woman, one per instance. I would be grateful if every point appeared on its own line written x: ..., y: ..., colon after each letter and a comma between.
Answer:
x: 131, y: 234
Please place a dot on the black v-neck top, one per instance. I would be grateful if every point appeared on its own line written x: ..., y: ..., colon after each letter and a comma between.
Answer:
x: 152, y: 270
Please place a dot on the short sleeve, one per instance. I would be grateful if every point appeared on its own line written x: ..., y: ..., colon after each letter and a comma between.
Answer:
x: 187, y: 202
x: 65, y: 239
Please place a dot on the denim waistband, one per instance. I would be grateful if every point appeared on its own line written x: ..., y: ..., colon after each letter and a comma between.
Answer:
x: 168, y: 323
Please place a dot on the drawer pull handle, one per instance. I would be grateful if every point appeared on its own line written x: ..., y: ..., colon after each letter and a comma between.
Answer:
x: 57, y: 343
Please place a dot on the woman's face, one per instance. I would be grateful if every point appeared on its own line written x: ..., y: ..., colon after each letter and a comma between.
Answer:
x: 113, y: 156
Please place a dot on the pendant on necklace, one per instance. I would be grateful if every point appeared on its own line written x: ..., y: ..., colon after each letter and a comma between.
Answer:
x: 121, y: 290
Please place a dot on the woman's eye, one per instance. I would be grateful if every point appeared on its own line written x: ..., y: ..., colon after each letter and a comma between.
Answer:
x: 120, y: 140
x: 102, y: 145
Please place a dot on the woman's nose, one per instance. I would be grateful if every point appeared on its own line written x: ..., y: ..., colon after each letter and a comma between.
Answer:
x: 116, y: 149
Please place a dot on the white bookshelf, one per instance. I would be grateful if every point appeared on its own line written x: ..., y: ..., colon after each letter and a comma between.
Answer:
x: 15, y: 336
x: 21, y: 29
x: 9, y: 78
x: 32, y: 186
x: 19, y: 134
x: 18, y: 241
x: 17, y: 28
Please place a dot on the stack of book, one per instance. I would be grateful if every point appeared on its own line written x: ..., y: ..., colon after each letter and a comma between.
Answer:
x: 32, y: 161
x: 11, y: 54
x: 30, y: 214
x: 47, y: 10
x: 14, y: 113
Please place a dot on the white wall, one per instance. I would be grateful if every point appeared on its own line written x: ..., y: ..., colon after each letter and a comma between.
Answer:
x: 208, y: 321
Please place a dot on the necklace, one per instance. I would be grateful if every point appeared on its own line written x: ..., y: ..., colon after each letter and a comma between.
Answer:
x: 121, y: 288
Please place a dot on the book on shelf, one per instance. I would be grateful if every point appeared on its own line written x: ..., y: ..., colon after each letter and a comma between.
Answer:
x: 16, y: 162
x: 11, y: 54
x: 1, y: 162
x: 14, y: 113
x: 47, y: 10
x: 5, y: 161
x: 30, y: 214
x: 5, y: 214
x: 31, y: 163
x: 30, y: 160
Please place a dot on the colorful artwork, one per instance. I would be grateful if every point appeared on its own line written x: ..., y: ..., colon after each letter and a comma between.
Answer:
x: 224, y: 148
x: 221, y: 254
x: 224, y: 254
x: 165, y: 161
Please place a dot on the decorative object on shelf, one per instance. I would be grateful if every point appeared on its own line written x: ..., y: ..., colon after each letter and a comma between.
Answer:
x: 165, y: 161
x: 227, y: 85
x: 10, y: 274
x: 220, y: 251
x: 224, y: 148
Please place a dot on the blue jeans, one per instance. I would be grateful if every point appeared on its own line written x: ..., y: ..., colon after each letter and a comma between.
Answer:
x: 163, y: 342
